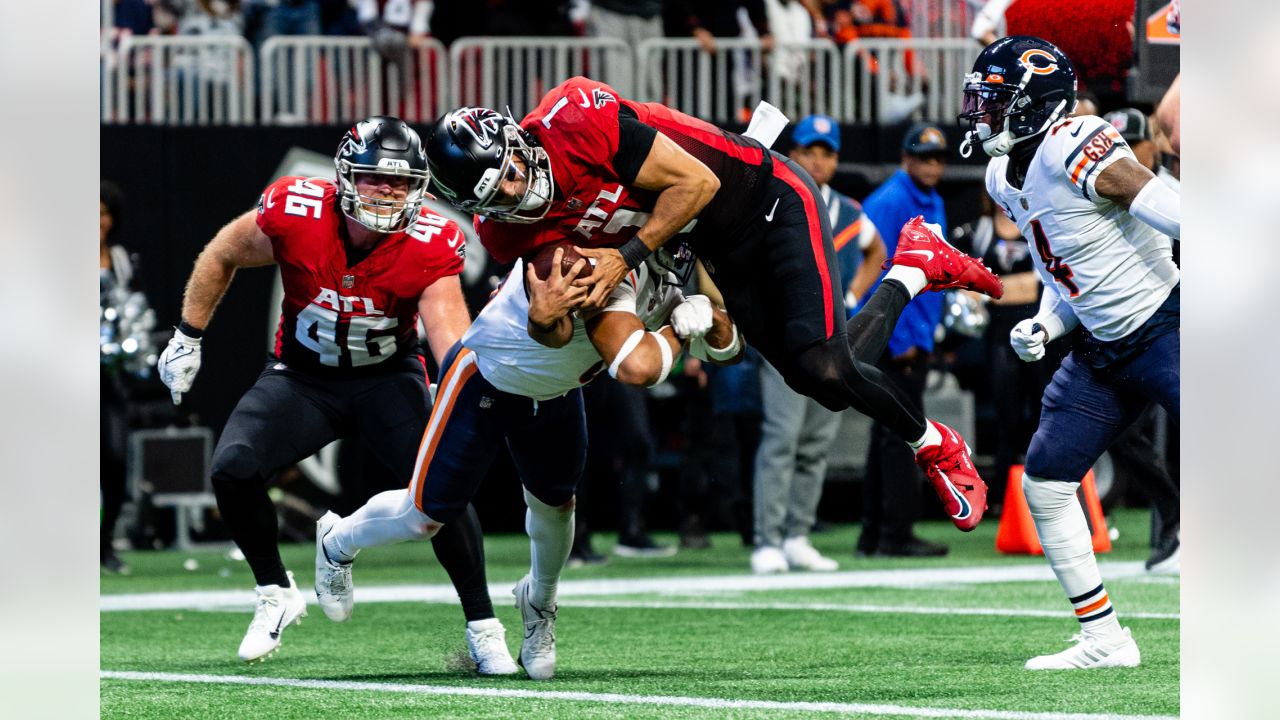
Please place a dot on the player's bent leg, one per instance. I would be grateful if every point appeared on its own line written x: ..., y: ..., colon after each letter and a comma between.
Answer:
x: 1068, y: 546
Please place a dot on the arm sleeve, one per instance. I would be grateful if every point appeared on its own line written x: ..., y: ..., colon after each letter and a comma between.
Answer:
x: 635, y: 140
x: 1159, y: 206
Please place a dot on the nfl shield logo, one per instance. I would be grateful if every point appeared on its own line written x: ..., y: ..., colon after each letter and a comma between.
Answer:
x: 1024, y: 203
x: 348, y: 281
x: 574, y: 204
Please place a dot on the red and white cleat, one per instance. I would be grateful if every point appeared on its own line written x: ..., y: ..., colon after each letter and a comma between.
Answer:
x: 954, y: 478
x: 943, y: 265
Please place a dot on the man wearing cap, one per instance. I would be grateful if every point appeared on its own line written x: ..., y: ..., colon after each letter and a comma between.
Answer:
x: 891, y: 493
x: 797, y: 431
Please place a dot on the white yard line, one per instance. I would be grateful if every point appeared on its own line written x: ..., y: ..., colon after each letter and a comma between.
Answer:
x: 693, y: 585
x: 616, y: 698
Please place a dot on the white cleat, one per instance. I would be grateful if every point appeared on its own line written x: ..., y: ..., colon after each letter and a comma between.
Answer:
x: 1091, y: 652
x: 277, y: 607
x: 333, y: 579
x: 803, y: 556
x: 538, y: 651
x: 487, y: 640
x: 767, y: 560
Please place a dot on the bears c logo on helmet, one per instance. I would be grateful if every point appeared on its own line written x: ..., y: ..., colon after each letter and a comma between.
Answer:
x: 1045, y: 56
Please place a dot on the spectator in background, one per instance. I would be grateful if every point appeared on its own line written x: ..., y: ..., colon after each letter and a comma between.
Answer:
x: 268, y: 18
x: 212, y: 17
x: 394, y: 26
x: 132, y: 17
x: 544, y: 18
x: 631, y: 21
x: 1134, y: 126
x: 853, y: 19
x: 797, y: 432
x: 892, y: 488
x: 706, y: 20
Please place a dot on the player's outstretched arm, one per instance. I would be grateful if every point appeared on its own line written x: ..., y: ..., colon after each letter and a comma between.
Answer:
x: 444, y: 315
x: 1145, y: 196
x: 684, y: 186
x: 633, y: 355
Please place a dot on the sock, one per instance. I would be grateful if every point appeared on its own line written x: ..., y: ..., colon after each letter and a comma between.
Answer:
x: 459, y: 546
x: 931, y: 436
x: 912, y: 278
x: 550, y: 538
x: 1068, y: 547
x: 388, y: 517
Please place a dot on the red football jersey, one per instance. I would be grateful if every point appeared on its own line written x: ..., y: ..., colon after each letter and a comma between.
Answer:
x: 577, y: 123
x: 340, y: 318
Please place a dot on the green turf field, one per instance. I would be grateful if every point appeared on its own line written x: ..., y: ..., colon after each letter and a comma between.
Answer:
x: 886, y: 638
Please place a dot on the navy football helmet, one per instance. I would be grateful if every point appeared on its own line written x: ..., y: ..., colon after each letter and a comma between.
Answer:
x: 1019, y: 86
x: 381, y: 145
x: 472, y: 150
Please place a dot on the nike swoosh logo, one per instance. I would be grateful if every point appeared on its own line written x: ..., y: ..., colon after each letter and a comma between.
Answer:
x: 928, y: 254
x: 275, y: 634
x: 585, y: 102
x: 965, y: 508
x: 1076, y: 132
x: 769, y: 217
x: 271, y: 195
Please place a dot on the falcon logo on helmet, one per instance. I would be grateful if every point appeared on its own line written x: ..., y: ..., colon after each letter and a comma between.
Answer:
x: 1018, y: 87
x: 482, y: 123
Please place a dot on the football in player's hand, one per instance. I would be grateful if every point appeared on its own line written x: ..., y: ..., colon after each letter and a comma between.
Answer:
x: 542, y: 261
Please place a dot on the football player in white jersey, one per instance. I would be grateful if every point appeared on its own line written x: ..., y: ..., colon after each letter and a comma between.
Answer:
x: 500, y: 384
x: 1101, y: 225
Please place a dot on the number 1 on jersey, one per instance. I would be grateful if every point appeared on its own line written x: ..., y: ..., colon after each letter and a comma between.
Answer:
x: 1052, y: 263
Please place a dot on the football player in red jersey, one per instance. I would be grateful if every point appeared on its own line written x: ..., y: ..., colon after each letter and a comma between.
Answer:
x: 361, y: 259
x: 623, y: 178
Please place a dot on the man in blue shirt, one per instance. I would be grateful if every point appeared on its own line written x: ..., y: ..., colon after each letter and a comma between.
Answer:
x: 891, y: 494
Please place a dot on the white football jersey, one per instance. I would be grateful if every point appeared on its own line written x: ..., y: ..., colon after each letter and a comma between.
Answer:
x: 515, y: 363
x: 1114, y: 269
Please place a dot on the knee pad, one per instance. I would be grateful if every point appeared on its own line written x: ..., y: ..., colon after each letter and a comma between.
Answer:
x: 236, y: 462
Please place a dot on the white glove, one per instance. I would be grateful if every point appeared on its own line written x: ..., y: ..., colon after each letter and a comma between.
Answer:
x: 1028, y: 339
x: 179, y: 363
x: 692, y: 318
